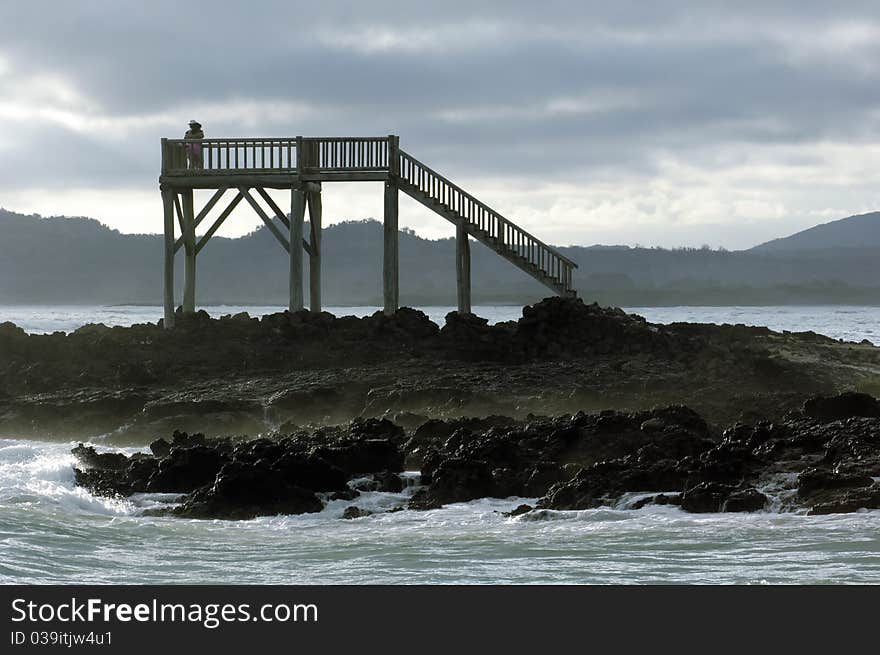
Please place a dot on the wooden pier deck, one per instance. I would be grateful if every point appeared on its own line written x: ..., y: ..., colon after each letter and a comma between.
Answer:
x: 302, y: 165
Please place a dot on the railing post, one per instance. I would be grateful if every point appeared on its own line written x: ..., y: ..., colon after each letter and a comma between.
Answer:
x: 164, y: 156
x: 299, y: 156
x: 393, y: 157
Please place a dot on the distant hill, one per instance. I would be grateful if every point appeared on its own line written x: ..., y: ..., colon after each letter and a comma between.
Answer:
x: 80, y: 261
x: 861, y: 231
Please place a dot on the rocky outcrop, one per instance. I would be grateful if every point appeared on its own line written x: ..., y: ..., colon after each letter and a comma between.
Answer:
x: 225, y: 478
x: 833, y: 456
x: 146, y: 355
x: 816, y: 460
x: 529, y: 459
x: 246, y: 375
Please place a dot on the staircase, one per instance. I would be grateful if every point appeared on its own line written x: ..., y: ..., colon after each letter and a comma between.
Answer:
x: 486, y: 225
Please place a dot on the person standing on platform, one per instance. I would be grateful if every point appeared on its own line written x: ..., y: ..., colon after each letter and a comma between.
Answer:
x: 194, y: 136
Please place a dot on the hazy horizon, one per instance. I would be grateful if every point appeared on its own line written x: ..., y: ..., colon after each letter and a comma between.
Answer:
x: 588, y: 123
x: 430, y: 236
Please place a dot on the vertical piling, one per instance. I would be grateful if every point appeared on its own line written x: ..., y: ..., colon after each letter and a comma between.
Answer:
x: 189, y: 245
x: 390, y: 268
x: 463, y: 268
x: 297, y: 217
x: 314, y: 200
x: 168, y: 206
x: 391, y: 260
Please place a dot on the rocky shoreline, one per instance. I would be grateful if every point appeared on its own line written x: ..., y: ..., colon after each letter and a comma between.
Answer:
x: 822, y: 459
x: 573, y: 404
x: 243, y: 375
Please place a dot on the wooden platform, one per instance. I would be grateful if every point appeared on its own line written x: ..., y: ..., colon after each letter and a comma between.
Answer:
x: 302, y: 164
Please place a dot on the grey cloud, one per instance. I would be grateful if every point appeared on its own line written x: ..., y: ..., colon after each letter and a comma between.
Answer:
x: 698, y: 75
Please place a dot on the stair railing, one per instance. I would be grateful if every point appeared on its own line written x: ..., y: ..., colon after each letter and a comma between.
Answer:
x: 507, y: 235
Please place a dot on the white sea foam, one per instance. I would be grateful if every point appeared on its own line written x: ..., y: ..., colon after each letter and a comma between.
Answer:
x: 42, y: 474
x: 52, y: 531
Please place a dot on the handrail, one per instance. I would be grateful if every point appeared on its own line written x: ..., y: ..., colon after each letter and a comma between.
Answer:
x: 346, y: 153
x: 408, y: 162
x: 277, y: 155
x: 228, y: 155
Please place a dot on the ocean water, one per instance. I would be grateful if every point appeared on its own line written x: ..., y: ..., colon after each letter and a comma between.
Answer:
x: 54, y: 532
x: 851, y: 323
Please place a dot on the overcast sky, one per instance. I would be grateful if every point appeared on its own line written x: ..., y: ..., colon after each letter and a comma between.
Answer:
x: 658, y: 123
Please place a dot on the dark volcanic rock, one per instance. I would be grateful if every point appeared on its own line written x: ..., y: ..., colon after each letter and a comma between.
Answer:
x: 659, y: 499
x: 243, y: 492
x: 90, y: 458
x: 112, y: 474
x: 389, y: 481
x: 160, y: 448
x: 187, y: 469
x: 571, y: 462
x: 836, y: 464
x: 849, y: 501
x: 345, y: 494
x: 814, y: 480
x: 355, y: 512
x: 745, y: 500
x: 528, y: 459
x: 519, y: 510
x: 706, y: 497
x: 308, y: 471
x: 845, y: 405
x: 227, y: 479
x: 364, y: 456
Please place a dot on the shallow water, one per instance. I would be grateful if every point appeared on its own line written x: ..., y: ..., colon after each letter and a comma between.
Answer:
x: 53, y: 532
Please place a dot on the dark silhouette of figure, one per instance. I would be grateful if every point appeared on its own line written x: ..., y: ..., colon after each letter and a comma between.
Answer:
x: 194, y: 135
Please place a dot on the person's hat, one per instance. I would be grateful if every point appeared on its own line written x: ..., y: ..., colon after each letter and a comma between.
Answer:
x: 195, y: 122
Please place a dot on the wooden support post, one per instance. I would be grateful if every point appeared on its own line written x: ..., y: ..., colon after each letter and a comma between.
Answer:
x: 314, y: 199
x: 297, y: 216
x: 390, y: 268
x: 189, y: 246
x: 463, y: 268
x: 168, y: 205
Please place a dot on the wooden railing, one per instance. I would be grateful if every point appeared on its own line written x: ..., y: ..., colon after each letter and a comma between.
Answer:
x: 325, y: 154
x: 228, y: 155
x: 346, y: 153
x: 507, y: 236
